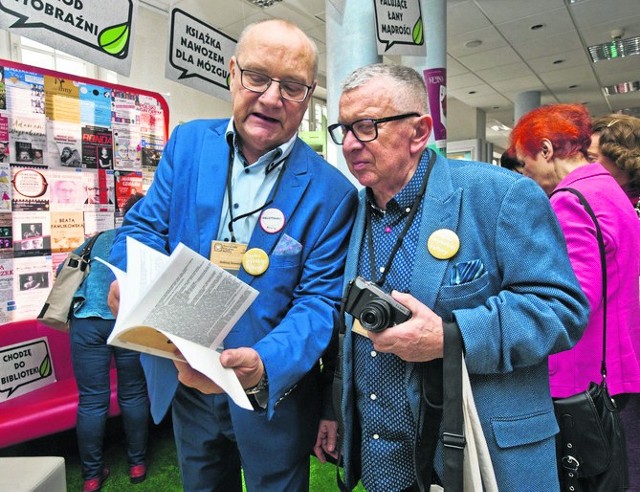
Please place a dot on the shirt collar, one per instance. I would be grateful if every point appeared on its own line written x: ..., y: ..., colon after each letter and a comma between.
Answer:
x: 269, y: 160
x: 406, y: 196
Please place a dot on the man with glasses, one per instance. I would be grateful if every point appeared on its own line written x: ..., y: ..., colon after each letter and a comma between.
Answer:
x: 463, y: 246
x: 250, y: 184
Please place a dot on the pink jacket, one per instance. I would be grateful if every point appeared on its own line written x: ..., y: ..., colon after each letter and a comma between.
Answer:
x: 572, y: 370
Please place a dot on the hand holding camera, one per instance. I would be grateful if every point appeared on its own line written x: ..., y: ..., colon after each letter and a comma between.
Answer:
x: 375, y: 309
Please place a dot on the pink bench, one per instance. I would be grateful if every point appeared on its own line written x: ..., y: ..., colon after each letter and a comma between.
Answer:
x: 49, y: 409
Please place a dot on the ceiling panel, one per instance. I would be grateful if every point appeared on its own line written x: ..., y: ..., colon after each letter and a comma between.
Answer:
x: 511, y: 59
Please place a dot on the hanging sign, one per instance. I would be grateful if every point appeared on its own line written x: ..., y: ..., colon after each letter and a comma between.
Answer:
x: 199, y: 55
x: 399, y: 27
x: 25, y: 367
x: 106, y: 27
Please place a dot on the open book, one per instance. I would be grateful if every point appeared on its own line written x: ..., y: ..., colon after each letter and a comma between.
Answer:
x: 181, y: 302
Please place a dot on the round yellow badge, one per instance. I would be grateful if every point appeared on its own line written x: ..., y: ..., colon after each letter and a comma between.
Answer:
x: 443, y: 244
x: 255, y: 261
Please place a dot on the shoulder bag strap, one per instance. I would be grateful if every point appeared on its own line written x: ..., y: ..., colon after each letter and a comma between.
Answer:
x: 453, y: 437
x: 603, y: 265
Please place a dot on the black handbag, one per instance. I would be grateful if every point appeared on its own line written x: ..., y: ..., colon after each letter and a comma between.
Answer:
x: 591, y: 445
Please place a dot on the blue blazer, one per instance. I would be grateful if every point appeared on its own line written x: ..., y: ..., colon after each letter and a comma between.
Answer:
x: 291, y: 322
x: 525, y: 306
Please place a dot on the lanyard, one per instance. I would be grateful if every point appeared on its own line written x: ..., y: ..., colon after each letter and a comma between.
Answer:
x: 412, y: 213
x: 272, y: 195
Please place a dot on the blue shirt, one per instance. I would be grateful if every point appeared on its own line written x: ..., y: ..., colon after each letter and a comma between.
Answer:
x: 251, y: 185
x: 90, y: 300
x: 386, y: 420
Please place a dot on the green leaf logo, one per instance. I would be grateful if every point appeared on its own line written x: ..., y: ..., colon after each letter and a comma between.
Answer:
x: 114, y: 39
x: 45, y: 367
x: 417, y: 33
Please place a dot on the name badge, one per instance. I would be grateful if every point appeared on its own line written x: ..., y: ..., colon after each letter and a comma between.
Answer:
x: 357, y: 328
x: 227, y: 256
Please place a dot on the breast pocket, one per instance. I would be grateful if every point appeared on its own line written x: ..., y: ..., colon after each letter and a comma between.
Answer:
x: 465, y: 295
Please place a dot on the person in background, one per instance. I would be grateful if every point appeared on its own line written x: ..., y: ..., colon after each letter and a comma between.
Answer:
x: 553, y: 143
x: 250, y: 182
x: 615, y: 143
x: 458, y: 243
x: 90, y: 325
x: 509, y: 161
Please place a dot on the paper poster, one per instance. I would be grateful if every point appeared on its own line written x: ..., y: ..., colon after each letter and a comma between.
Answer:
x: 95, y: 105
x: 67, y: 231
x: 63, y: 144
x: 127, y: 183
x: 399, y: 28
x: 198, y: 55
x: 5, y: 187
x: 62, y: 101
x: 97, y: 147
x: 27, y: 139
x: 99, y: 189
x: 32, y: 280
x: 97, y: 222
x: 31, y: 233
x: 7, y: 303
x: 66, y: 192
x: 99, y: 31
x: 30, y: 189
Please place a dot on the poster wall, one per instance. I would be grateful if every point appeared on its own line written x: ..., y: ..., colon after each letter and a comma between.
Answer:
x: 72, y: 150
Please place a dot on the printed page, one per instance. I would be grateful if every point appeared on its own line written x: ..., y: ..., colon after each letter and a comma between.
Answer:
x: 180, y: 303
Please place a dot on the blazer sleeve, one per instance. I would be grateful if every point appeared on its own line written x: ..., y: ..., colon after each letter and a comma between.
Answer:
x: 538, y: 308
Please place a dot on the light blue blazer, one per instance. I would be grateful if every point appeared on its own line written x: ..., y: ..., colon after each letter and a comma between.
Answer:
x: 291, y: 322
x: 526, y: 305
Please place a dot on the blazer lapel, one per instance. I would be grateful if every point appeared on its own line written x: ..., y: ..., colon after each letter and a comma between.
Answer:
x: 295, y: 180
x: 211, y: 184
x: 441, y: 210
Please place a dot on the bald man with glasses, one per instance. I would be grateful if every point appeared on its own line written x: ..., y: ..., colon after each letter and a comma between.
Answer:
x: 251, y: 184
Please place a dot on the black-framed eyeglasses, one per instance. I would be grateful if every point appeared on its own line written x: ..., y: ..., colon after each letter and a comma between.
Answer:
x: 365, y: 130
x: 260, y: 83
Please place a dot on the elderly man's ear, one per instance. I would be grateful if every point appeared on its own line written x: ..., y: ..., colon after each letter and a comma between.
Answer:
x: 422, y: 130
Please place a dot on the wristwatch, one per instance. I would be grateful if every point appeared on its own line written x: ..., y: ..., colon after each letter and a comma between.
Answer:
x: 259, y: 394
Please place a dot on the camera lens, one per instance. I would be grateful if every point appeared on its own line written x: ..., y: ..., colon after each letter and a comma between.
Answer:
x: 375, y: 315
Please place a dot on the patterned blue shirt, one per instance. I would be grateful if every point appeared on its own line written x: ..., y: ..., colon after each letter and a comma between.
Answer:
x: 388, y: 431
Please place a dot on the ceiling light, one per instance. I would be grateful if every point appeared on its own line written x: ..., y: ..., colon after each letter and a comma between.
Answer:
x: 618, y: 48
x: 622, y: 88
x: 474, y: 43
x: 263, y: 3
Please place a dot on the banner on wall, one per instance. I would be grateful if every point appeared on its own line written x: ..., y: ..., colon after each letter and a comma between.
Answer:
x: 106, y: 27
x: 399, y: 27
x: 198, y: 55
x: 436, y: 82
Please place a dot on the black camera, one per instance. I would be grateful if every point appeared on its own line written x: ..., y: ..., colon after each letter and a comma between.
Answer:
x: 375, y: 309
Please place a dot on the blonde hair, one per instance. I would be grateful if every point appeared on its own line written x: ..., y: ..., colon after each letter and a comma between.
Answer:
x: 620, y: 142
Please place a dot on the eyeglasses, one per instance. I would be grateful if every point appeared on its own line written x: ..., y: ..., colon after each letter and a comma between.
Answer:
x: 365, y: 130
x: 260, y: 83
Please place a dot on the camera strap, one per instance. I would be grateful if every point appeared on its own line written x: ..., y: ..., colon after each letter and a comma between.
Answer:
x: 412, y: 213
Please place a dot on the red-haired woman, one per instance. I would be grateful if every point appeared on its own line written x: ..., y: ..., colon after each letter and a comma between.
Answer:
x: 552, y: 142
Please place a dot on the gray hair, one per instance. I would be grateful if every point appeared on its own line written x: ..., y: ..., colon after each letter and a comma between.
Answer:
x: 409, y: 87
x: 285, y: 23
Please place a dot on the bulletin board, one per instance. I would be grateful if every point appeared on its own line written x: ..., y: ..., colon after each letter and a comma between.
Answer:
x: 72, y: 151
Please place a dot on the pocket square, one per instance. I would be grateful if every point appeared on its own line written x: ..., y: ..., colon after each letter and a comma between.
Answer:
x: 466, y: 271
x: 287, y: 246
